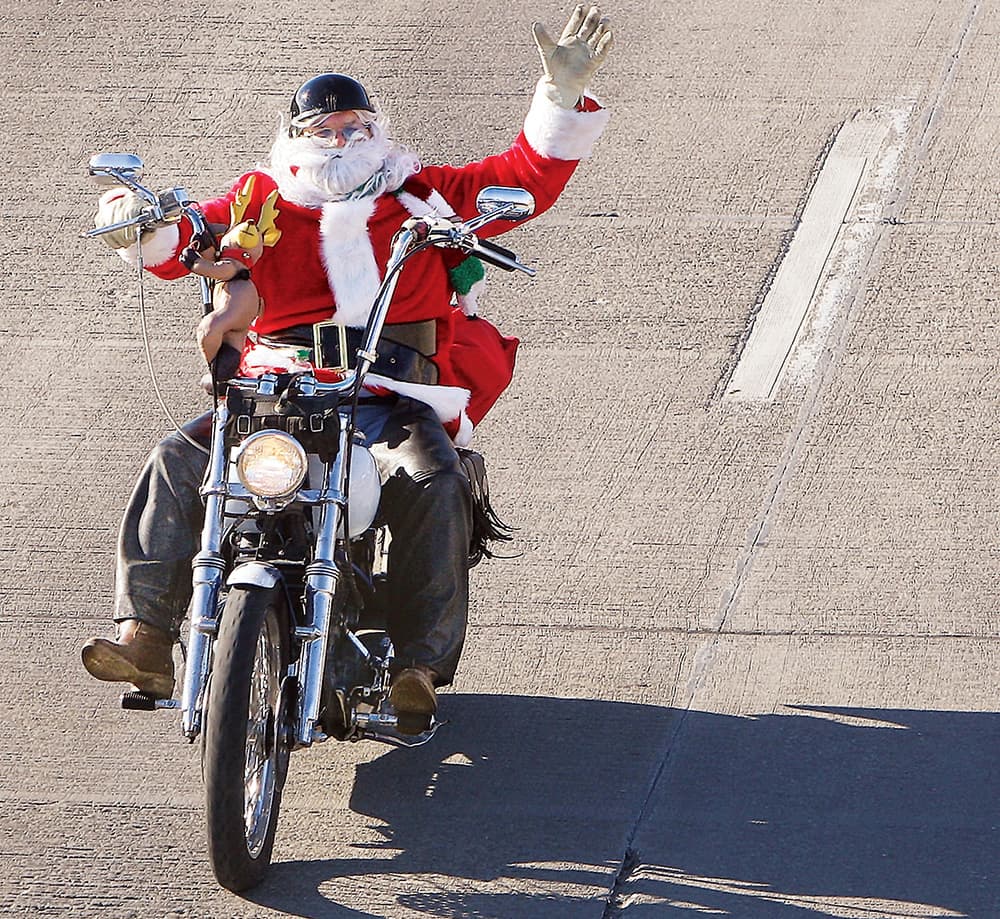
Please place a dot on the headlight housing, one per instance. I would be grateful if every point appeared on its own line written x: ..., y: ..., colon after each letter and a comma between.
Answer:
x: 271, y: 464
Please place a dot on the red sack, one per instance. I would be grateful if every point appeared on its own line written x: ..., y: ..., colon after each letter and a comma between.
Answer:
x: 483, y: 361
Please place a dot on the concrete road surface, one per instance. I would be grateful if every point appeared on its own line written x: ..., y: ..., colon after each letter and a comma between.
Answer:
x: 745, y: 661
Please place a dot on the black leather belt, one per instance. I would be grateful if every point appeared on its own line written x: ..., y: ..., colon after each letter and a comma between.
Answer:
x: 404, y: 350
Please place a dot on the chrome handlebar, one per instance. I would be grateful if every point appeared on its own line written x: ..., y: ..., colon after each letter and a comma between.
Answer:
x: 165, y: 208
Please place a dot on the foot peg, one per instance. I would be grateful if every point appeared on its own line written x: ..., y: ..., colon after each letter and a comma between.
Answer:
x: 411, y: 723
x: 403, y: 730
x: 144, y: 702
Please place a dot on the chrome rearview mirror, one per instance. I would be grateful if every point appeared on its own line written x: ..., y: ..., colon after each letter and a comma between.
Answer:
x: 506, y: 203
x: 115, y: 168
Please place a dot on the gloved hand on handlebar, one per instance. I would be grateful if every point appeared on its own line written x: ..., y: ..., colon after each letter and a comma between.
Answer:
x: 572, y: 61
x: 116, y: 205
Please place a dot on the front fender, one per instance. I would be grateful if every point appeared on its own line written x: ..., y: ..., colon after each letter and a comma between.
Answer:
x: 254, y: 574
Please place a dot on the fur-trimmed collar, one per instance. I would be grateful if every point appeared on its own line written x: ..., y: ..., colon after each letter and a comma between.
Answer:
x: 349, y: 259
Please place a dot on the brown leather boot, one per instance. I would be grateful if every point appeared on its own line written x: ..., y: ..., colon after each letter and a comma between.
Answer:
x: 412, y: 696
x: 142, y: 655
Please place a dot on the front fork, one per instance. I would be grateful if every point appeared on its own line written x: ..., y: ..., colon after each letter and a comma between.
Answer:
x: 209, y: 566
x: 322, y: 578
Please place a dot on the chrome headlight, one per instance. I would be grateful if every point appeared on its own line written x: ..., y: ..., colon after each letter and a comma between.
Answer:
x: 271, y: 464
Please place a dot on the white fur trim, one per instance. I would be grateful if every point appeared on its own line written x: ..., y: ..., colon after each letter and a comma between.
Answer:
x: 434, y: 206
x: 559, y: 133
x: 436, y: 200
x: 470, y: 302
x: 448, y: 402
x: 158, y: 246
x: 349, y: 259
x: 413, y: 204
x: 464, y: 436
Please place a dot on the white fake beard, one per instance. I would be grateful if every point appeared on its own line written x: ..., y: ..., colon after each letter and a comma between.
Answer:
x: 312, y: 175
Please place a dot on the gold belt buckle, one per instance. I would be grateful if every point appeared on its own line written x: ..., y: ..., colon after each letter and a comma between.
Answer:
x: 330, y: 346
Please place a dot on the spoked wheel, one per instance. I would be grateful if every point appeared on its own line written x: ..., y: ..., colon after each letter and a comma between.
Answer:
x: 245, y: 742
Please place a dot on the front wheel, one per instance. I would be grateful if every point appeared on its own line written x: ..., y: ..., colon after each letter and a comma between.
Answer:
x: 245, y: 741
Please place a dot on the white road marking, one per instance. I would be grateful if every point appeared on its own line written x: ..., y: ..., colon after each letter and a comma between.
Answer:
x: 826, y: 254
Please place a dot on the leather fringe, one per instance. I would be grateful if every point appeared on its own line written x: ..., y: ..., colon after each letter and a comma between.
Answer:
x: 487, y: 526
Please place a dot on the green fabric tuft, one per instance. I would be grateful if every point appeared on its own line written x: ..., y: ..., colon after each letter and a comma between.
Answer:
x: 466, y: 274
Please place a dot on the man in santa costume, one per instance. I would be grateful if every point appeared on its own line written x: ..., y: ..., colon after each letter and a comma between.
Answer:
x: 336, y: 191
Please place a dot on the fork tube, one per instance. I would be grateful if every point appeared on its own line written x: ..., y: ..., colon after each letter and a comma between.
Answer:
x: 207, y: 578
x: 322, y: 578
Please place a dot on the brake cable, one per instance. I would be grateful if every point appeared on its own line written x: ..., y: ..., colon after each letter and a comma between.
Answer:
x: 149, y: 353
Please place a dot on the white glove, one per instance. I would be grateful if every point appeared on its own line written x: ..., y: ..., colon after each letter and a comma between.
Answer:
x: 582, y: 49
x: 118, y: 204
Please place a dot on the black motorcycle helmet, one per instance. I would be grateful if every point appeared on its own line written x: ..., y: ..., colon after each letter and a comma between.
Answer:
x: 323, y: 95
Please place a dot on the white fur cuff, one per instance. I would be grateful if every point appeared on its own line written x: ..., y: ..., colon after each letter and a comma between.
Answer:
x: 562, y: 134
x: 464, y: 436
x: 448, y: 402
x: 158, y: 247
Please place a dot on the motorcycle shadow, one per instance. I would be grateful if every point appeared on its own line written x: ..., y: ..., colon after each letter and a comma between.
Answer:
x: 524, y: 807
x: 512, y: 787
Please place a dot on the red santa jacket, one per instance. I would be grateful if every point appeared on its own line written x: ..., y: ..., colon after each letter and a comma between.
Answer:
x: 327, y: 262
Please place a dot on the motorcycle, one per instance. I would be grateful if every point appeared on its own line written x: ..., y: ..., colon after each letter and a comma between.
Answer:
x: 286, y: 646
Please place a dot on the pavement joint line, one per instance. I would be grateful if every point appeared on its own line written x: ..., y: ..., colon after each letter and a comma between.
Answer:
x: 789, y: 462
x: 933, y: 111
x: 794, y: 449
x: 739, y: 633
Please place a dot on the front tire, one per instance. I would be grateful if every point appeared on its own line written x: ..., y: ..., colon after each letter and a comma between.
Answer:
x: 245, y: 741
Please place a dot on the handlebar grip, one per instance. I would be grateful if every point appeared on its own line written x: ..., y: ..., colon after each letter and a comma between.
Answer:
x: 496, y: 255
x: 499, y: 250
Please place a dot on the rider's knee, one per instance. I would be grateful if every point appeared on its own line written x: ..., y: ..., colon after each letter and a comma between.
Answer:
x: 176, y: 457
